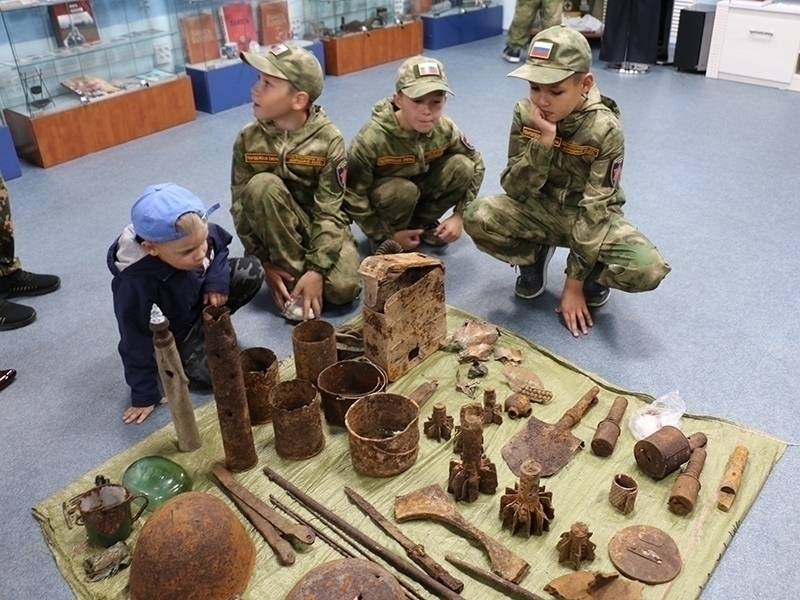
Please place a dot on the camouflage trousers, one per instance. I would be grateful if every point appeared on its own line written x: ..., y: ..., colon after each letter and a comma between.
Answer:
x: 273, y: 227
x: 8, y: 262
x: 246, y: 279
x: 519, y: 32
x: 514, y: 232
x: 421, y: 200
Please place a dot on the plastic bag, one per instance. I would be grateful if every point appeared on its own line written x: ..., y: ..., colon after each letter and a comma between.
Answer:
x: 666, y: 410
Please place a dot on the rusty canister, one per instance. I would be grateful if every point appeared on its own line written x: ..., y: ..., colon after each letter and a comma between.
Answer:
x: 260, y: 371
x: 296, y: 419
x: 344, y: 382
x: 662, y: 452
x: 383, y: 431
x: 314, y: 347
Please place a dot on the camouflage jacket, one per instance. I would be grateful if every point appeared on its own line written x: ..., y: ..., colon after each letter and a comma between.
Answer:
x: 312, y: 163
x: 382, y: 148
x: 580, y: 170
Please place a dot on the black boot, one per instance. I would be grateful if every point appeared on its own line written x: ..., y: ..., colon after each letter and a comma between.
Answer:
x: 23, y: 283
x: 13, y: 316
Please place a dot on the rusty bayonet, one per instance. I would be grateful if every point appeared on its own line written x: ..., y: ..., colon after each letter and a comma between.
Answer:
x: 415, y: 552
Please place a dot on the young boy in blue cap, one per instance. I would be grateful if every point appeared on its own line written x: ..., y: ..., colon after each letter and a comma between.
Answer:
x: 172, y: 257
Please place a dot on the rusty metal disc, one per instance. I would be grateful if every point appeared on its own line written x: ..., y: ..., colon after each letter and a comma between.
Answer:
x: 347, y: 578
x: 645, y: 553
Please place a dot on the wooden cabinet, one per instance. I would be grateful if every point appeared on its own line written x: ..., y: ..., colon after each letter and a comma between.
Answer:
x: 756, y: 44
x: 356, y: 51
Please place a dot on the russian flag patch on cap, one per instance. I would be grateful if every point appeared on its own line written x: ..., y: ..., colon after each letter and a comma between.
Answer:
x: 541, y: 50
x: 428, y: 68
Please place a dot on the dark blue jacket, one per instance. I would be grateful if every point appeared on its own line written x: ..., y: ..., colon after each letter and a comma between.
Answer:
x: 141, y: 280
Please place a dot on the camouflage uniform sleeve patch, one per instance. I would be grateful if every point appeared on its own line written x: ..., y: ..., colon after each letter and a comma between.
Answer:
x: 530, y: 133
x: 260, y: 158
x: 408, y: 159
x: 341, y: 173
x: 614, y: 173
x: 467, y: 143
x: 306, y: 160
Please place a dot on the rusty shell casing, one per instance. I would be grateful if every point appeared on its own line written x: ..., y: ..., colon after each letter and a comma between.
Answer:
x: 732, y: 478
x: 296, y: 419
x: 229, y: 393
x: 622, y: 494
x: 314, y: 347
x: 662, y: 452
x: 260, y: 372
x: 687, y: 484
x: 605, y: 438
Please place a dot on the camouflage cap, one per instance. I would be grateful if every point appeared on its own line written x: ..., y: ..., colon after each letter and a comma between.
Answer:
x: 420, y: 75
x: 296, y: 65
x: 555, y: 54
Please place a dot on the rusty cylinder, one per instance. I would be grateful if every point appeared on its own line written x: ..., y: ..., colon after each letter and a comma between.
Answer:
x: 687, y: 484
x: 605, y: 438
x: 664, y: 451
x: 229, y: 393
x: 296, y: 420
x: 314, y: 346
x: 260, y: 372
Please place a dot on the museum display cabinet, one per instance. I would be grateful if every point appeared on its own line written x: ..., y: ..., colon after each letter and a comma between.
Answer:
x: 80, y: 76
x: 454, y: 22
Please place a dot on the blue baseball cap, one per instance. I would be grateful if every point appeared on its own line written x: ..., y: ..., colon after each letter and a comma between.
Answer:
x: 157, y: 210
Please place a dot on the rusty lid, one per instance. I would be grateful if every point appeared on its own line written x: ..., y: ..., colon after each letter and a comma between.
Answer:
x: 347, y: 578
x: 645, y: 553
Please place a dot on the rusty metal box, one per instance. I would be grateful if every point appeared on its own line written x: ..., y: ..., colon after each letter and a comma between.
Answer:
x: 404, y: 310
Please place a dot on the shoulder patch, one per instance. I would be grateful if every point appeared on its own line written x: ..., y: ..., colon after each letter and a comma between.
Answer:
x: 466, y: 142
x: 615, y: 172
x: 341, y: 173
x: 408, y: 159
x: 260, y: 158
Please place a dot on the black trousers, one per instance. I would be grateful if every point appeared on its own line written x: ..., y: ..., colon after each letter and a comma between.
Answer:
x: 630, y: 33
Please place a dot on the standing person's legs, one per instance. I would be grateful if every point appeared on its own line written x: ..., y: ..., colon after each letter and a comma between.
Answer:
x: 519, y: 32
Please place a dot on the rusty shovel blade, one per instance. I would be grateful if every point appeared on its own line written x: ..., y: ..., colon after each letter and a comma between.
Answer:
x: 549, y: 444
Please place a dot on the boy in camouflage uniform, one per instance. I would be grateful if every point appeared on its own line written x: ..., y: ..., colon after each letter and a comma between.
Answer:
x: 519, y: 32
x: 287, y: 185
x: 562, y: 187
x: 410, y: 163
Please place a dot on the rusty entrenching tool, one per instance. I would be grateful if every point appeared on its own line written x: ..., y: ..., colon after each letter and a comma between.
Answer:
x: 550, y: 445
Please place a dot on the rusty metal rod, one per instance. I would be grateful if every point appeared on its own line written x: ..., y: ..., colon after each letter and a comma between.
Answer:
x: 503, y: 584
x: 411, y: 593
x: 341, y: 524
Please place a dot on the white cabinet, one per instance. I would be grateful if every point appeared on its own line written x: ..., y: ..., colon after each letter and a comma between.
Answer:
x: 756, y: 44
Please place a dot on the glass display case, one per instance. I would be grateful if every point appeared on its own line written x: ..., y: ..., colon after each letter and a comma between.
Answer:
x: 59, y: 55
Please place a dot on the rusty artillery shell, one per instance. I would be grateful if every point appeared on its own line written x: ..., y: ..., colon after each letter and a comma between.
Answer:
x: 260, y: 372
x: 622, y: 494
x: 296, y: 419
x: 687, y: 485
x: 662, y: 452
x: 605, y: 438
x: 732, y: 478
x: 314, y: 346
x: 229, y: 393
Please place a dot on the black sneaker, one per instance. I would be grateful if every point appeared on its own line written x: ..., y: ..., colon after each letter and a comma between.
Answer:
x: 596, y: 294
x: 13, y: 316
x: 511, y: 54
x: 23, y: 283
x: 533, y: 278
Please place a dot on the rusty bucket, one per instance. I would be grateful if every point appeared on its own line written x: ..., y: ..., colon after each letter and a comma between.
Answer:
x: 314, y: 346
x: 384, y: 434
x: 344, y: 382
x: 296, y: 419
x: 260, y: 372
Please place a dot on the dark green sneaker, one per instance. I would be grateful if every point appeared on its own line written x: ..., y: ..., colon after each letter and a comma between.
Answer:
x: 13, y: 316
x: 532, y: 279
x: 596, y: 294
x: 23, y: 283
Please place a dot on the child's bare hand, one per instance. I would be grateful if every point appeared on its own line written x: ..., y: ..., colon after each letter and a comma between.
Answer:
x: 277, y: 279
x: 408, y: 238
x: 139, y: 413
x: 547, y: 128
x: 309, y: 286
x: 450, y: 229
x: 573, y: 308
x: 214, y: 299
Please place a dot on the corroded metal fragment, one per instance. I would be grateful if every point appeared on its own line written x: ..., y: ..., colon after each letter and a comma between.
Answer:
x: 296, y: 420
x: 260, y: 372
x: 732, y: 478
x: 594, y: 585
x: 492, y: 411
x: 518, y: 406
x: 645, y: 553
x: 107, y: 563
x: 622, y: 494
x: 347, y: 578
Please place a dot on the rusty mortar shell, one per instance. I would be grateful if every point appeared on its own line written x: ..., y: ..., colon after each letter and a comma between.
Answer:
x: 605, y: 438
x: 518, y: 406
x: 622, y: 494
x: 687, y: 485
x: 664, y: 451
x: 439, y: 426
x: 492, y: 412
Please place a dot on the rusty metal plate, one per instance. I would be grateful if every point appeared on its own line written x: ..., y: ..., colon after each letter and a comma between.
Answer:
x: 347, y: 578
x: 645, y: 553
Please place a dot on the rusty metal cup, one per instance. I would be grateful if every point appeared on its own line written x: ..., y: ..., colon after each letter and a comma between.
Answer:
x: 344, y: 382
x: 383, y: 432
x: 314, y: 346
x: 622, y: 494
x: 296, y: 419
x: 260, y: 372
x: 105, y: 511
